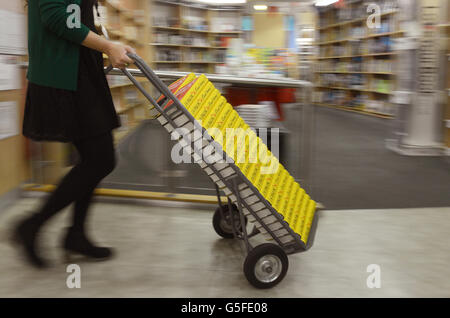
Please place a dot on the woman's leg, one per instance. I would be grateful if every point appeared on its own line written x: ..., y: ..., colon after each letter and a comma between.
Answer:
x: 100, y: 160
x: 80, y: 211
x: 97, y: 160
x: 99, y: 157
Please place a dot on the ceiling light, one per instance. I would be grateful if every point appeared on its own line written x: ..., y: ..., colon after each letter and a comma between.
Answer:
x: 324, y: 3
x: 260, y: 7
x: 223, y: 1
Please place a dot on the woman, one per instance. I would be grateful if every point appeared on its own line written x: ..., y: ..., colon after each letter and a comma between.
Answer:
x: 68, y: 100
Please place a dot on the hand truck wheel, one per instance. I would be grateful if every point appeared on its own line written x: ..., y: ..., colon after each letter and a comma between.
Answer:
x: 223, y: 226
x: 266, y: 265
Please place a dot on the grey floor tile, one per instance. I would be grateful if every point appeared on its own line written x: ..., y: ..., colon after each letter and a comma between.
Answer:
x: 174, y: 252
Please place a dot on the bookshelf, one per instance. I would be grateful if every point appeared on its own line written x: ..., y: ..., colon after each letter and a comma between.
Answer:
x: 446, y: 33
x: 127, y: 22
x: 14, y: 168
x: 191, y: 36
x: 355, y: 69
x: 169, y: 35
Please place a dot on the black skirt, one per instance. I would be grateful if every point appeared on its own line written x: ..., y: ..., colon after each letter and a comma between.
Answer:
x: 53, y: 114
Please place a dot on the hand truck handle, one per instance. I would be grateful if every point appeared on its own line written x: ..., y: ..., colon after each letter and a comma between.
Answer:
x: 151, y: 76
x: 154, y: 79
x: 145, y: 69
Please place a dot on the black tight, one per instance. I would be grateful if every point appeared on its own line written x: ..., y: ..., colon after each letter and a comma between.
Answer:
x: 97, y: 160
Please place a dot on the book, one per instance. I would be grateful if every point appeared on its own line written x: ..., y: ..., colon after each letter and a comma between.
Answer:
x: 222, y: 116
x: 177, y: 85
x: 174, y: 88
x: 294, y: 206
x: 202, y: 101
x: 189, y: 92
x: 276, y: 186
x: 299, y: 219
x: 310, y: 211
x: 282, y: 193
x: 288, y: 196
x: 211, y: 116
x: 288, y: 208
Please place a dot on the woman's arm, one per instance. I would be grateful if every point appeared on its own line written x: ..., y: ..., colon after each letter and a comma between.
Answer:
x: 117, y: 52
x: 54, y: 15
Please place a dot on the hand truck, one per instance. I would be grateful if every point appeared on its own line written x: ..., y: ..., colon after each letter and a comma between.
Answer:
x: 266, y: 264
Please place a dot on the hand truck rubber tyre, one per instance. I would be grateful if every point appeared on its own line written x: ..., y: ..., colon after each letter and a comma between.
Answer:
x: 266, y: 265
x: 223, y: 227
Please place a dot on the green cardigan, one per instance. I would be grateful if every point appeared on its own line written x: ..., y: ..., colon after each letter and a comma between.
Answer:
x: 53, y: 46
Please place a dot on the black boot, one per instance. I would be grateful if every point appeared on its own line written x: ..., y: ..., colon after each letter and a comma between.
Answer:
x: 26, y: 234
x: 76, y: 242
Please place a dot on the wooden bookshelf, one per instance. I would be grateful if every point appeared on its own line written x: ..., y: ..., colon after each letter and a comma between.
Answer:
x: 128, y: 21
x: 358, y: 110
x: 14, y: 167
x: 186, y: 37
x: 355, y: 67
x: 445, y: 31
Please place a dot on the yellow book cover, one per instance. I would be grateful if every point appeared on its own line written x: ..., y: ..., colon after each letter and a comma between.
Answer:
x: 254, y: 177
x: 253, y: 148
x: 290, y: 202
x: 247, y: 168
x: 240, y: 123
x: 189, y: 92
x: 297, y: 226
x: 242, y: 144
x: 294, y: 204
x: 283, y: 193
x: 219, y: 124
x: 242, y: 166
x: 308, y: 221
x: 280, y: 190
x: 241, y: 156
x: 211, y: 117
x: 250, y: 136
x: 276, y: 186
x: 271, y: 164
x: 268, y: 179
x: 230, y: 121
x: 289, y: 194
x: 198, y: 101
x: 229, y: 134
x: 177, y: 85
x: 222, y: 117
x: 259, y: 183
x: 263, y: 151
x: 294, y: 209
x: 249, y: 171
x: 237, y: 122
x: 297, y: 211
x: 206, y: 105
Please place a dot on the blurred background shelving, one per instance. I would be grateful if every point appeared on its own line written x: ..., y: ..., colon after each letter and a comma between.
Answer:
x: 191, y: 36
x: 127, y: 22
x: 445, y: 31
x: 356, y: 62
x: 169, y: 35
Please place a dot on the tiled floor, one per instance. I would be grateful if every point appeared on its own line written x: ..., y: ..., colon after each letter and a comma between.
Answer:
x: 174, y: 252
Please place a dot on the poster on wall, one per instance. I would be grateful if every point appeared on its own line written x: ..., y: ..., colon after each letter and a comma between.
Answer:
x: 12, y: 33
x: 9, y: 123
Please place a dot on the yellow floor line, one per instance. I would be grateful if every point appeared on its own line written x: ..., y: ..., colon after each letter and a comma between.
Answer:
x: 149, y: 195
x: 192, y: 198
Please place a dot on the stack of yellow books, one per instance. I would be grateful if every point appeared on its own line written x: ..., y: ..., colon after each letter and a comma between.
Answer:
x: 205, y: 103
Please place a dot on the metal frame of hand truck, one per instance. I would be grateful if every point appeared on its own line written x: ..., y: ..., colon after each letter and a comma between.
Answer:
x: 227, y: 176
